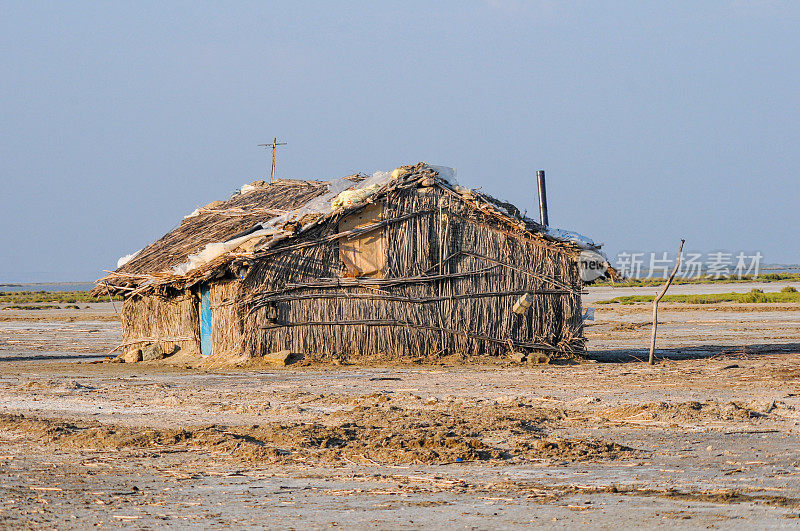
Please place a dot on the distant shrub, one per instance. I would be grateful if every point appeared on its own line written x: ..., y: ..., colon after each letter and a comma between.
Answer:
x: 789, y: 289
x: 69, y: 297
x: 705, y: 279
x: 753, y: 296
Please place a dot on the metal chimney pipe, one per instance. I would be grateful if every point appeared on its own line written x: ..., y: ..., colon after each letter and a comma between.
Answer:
x: 542, y: 198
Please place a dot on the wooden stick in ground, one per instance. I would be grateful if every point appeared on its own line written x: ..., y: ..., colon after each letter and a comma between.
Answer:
x: 111, y: 299
x: 658, y: 298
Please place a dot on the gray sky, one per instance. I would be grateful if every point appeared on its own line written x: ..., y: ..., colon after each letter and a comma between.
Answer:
x: 654, y: 120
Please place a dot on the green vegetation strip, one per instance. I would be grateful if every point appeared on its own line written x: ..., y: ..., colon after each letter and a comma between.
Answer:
x: 634, y: 282
x: 27, y: 297
x: 754, y: 296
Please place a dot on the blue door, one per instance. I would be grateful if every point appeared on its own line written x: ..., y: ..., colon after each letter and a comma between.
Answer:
x: 205, y: 320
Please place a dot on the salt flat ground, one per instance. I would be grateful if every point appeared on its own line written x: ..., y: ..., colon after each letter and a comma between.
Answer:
x: 706, y: 438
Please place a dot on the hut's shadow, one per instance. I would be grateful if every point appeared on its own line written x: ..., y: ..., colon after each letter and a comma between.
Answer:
x: 693, y: 352
x: 53, y: 356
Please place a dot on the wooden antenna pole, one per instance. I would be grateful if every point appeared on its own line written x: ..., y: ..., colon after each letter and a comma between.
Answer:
x: 274, y: 145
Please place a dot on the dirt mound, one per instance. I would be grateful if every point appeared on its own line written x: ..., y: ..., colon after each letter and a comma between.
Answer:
x: 573, y: 450
x: 624, y: 326
x: 681, y: 412
x: 369, y: 434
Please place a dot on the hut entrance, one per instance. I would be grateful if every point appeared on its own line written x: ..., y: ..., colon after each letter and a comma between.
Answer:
x: 205, y: 320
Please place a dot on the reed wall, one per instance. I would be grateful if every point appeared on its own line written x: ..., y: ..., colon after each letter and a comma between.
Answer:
x: 169, y: 321
x: 452, y: 276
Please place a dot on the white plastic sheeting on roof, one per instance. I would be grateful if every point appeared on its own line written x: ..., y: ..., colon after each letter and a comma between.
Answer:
x: 214, y: 250
x: 318, y: 205
x: 342, y: 193
x: 352, y: 198
x: 127, y: 258
x: 580, y: 240
x: 445, y: 172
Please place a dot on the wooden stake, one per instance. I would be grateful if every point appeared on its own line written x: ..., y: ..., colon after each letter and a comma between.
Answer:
x: 658, y: 298
x: 111, y: 299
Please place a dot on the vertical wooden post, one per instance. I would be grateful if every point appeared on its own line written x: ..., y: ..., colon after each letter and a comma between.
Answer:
x: 658, y: 298
x: 542, y: 198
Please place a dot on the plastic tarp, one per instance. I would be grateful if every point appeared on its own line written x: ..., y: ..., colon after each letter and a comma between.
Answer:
x: 271, y: 228
x: 127, y: 258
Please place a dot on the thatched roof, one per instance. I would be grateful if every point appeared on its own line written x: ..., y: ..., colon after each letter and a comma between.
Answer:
x: 220, y: 220
x: 264, y: 215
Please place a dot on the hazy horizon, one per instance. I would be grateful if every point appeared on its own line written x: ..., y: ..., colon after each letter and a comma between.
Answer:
x: 653, y: 121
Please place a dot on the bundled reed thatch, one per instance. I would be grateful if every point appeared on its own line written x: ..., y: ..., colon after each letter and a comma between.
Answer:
x: 453, y: 262
x: 215, y: 222
x: 173, y: 322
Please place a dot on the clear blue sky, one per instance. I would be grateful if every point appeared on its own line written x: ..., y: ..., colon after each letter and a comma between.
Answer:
x: 655, y: 120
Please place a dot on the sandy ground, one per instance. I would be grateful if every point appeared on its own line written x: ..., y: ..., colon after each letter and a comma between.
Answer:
x: 706, y: 438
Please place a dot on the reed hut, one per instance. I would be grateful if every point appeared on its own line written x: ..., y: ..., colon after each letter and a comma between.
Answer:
x: 402, y: 264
